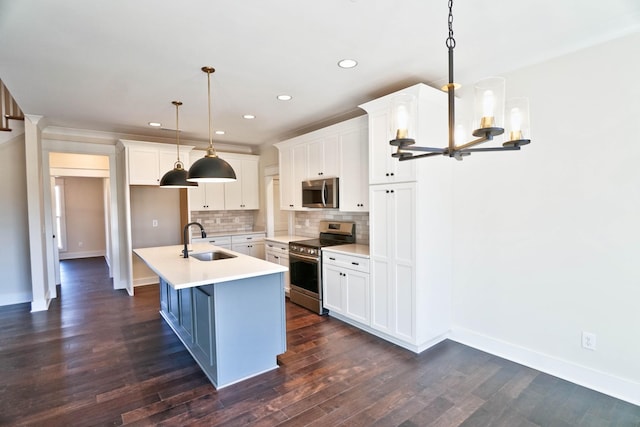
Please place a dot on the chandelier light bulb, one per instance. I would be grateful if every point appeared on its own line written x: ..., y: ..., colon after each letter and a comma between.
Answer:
x: 403, y: 122
x: 488, y: 108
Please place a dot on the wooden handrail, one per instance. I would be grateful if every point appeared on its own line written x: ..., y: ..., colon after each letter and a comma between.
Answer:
x: 8, y: 108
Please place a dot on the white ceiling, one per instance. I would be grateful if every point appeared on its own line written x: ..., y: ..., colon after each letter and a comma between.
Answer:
x: 116, y: 65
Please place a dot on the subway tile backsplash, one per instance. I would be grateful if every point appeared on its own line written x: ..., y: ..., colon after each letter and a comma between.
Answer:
x: 306, y: 223
x: 216, y: 222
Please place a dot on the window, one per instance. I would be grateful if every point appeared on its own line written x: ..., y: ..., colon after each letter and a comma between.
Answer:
x: 58, y: 200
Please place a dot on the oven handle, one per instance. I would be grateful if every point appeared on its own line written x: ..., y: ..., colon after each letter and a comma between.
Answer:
x: 304, y: 257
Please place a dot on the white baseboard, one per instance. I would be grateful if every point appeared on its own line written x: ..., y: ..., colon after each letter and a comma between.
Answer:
x: 602, y: 382
x: 144, y: 281
x: 82, y: 254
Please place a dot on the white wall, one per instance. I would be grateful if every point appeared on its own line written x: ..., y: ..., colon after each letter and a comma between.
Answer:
x: 547, y: 240
x: 14, y: 230
x: 85, y: 217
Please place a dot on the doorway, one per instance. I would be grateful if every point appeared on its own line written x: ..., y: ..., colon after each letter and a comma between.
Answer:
x: 80, y: 203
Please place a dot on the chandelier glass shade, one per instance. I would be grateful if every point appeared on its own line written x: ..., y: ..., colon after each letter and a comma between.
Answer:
x: 489, y: 117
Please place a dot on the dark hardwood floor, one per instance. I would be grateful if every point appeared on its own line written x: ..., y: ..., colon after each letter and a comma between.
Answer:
x: 100, y: 357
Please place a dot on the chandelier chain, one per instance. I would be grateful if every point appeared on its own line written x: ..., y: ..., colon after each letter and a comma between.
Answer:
x: 451, y: 42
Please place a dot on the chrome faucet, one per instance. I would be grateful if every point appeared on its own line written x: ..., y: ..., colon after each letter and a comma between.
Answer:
x: 185, y: 251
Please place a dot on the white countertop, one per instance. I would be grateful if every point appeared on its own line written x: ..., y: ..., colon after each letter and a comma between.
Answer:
x: 168, y: 263
x: 287, y: 238
x: 351, y: 249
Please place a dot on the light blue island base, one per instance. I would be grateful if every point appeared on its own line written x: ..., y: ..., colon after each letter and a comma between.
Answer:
x: 233, y: 329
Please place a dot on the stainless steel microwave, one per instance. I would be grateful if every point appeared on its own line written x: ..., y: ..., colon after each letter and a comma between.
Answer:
x: 320, y: 193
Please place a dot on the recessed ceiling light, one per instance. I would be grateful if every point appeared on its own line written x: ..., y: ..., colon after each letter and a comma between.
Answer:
x: 219, y: 132
x: 284, y: 97
x: 155, y: 124
x: 249, y: 116
x: 347, y: 63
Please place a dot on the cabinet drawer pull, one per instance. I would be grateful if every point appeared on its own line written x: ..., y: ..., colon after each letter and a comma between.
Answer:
x: 355, y: 263
x: 332, y: 259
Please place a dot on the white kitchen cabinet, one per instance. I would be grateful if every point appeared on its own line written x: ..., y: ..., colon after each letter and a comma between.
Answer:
x: 411, y: 227
x: 249, y: 244
x: 392, y: 222
x: 287, y: 195
x: 221, y: 241
x: 244, y: 192
x: 207, y: 196
x: 431, y: 130
x: 345, y: 281
x: 323, y: 157
x: 147, y: 162
x: 293, y: 170
x: 322, y: 154
x: 278, y: 253
x: 354, y: 167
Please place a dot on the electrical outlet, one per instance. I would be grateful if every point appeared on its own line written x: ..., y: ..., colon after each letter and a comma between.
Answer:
x: 217, y: 220
x: 237, y: 220
x: 589, y: 340
x: 154, y: 223
x: 306, y: 222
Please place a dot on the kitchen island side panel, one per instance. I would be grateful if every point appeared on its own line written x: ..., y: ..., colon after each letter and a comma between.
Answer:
x: 239, y: 325
x: 250, y: 326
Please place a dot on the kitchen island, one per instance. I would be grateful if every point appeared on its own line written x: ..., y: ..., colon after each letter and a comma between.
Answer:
x: 229, y: 313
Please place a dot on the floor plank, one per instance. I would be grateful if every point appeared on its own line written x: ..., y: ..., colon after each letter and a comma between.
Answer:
x: 100, y: 357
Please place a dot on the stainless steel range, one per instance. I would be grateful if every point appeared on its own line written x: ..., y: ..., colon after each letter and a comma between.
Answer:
x: 305, y: 262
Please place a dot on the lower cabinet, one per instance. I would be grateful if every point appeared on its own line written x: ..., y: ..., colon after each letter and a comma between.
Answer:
x: 234, y: 329
x: 204, y: 322
x: 346, y: 286
x: 278, y: 253
x: 249, y: 244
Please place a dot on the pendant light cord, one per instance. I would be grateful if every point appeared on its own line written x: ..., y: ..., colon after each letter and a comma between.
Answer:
x: 177, y: 104
x: 178, y: 164
x: 209, y: 70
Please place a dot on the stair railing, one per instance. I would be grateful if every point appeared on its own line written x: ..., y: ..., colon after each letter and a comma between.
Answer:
x: 8, y: 108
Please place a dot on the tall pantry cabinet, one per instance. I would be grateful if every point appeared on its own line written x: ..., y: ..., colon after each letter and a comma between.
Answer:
x: 410, y: 218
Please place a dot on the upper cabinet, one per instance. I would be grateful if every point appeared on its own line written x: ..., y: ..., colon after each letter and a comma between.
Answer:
x: 340, y: 150
x: 147, y: 162
x: 240, y: 194
x: 244, y: 192
x: 354, y: 167
x: 429, y: 115
x: 324, y: 155
x: 206, y: 196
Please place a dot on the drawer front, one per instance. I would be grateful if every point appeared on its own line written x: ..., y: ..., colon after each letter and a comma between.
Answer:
x: 219, y: 241
x: 346, y: 261
x: 277, y: 247
x: 247, y: 238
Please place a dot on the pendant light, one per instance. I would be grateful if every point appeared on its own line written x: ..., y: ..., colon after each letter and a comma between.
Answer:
x: 210, y: 168
x: 177, y: 177
x: 488, y: 122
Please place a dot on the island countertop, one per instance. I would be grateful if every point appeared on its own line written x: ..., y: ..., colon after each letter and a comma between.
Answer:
x: 168, y: 263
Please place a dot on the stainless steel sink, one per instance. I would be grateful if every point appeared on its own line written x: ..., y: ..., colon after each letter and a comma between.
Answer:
x: 211, y: 255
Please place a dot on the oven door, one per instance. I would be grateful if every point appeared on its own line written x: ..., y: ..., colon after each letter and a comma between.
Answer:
x: 304, y: 273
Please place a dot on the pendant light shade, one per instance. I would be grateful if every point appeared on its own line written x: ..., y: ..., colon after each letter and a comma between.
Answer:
x: 210, y: 168
x: 177, y: 177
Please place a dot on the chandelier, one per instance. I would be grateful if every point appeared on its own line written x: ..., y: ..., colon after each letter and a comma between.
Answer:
x: 489, y: 108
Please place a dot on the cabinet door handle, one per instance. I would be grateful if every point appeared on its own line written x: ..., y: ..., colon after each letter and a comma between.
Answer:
x: 332, y: 259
